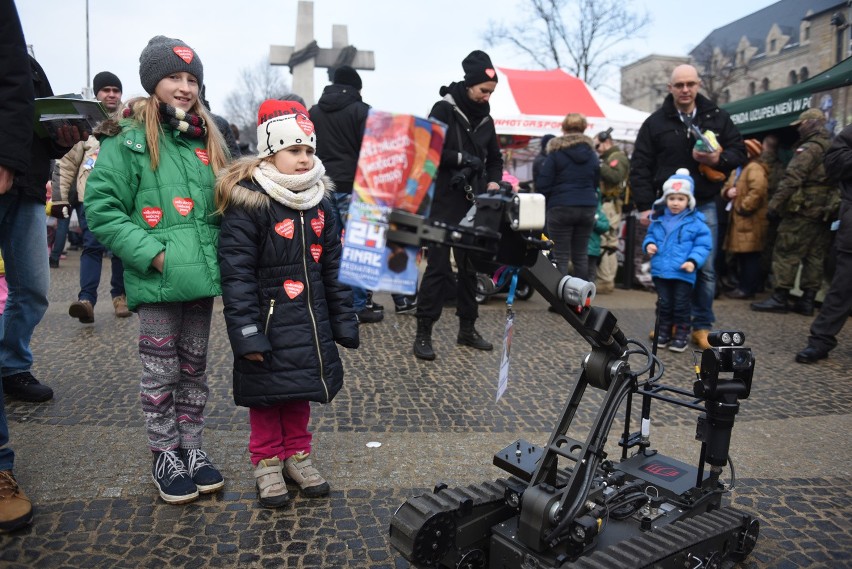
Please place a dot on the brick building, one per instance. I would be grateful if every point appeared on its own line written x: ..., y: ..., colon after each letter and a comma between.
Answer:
x: 783, y: 44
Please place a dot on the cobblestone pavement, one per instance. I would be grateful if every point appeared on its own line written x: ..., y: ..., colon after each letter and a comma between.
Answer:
x: 82, y: 456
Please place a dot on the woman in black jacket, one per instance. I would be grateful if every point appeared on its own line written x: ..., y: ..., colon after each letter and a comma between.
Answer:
x: 470, y: 163
x: 569, y: 179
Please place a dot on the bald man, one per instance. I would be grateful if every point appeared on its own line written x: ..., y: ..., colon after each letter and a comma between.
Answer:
x: 665, y: 144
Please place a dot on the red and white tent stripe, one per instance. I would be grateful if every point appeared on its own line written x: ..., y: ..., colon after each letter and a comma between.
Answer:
x: 533, y: 103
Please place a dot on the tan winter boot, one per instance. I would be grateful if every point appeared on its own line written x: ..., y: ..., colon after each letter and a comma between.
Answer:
x: 16, y: 510
x: 300, y: 470
x: 120, y: 305
x: 271, y: 488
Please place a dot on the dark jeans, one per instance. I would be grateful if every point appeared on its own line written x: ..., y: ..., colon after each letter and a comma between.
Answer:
x: 62, y: 226
x: 674, y: 299
x: 91, y: 262
x: 432, y: 291
x: 570, y: 228
x: 748, y: 269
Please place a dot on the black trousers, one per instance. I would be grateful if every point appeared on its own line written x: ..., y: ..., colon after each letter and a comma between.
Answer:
x: 436, y: 278
x: 835, y: 307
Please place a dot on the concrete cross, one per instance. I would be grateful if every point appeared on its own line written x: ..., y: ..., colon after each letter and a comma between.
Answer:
x: 305, y: 56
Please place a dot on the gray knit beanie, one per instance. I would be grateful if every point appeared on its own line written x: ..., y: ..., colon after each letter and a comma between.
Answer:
x: 163, y: 56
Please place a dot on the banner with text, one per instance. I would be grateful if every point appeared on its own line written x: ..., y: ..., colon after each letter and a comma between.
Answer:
x: 397, y: 166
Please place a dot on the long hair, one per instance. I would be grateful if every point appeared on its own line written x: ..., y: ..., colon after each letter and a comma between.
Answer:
x: 147, y: 111
x: 240, y: 169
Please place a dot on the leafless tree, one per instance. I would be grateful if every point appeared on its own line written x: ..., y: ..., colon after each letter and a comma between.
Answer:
x: 579, y: 36
x: 718, y: 70
x: 258, y: 83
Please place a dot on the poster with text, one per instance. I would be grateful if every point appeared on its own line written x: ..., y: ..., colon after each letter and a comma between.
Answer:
x: 397, y: 166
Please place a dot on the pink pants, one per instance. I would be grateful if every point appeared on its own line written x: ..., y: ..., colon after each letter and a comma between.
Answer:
x: 281, y: 430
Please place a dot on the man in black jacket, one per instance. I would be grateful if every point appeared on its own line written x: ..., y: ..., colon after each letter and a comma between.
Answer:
x: 339, y: 118
x: 24, y: 171
x: 666, y: 143
x: 837, y: 304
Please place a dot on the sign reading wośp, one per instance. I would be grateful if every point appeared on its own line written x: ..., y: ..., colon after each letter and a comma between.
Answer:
x: 397, y: 166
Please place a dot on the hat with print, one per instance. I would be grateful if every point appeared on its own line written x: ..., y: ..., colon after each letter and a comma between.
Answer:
x: 478, y: 69
x: 105, y: 79
x: 753, y: 147
x: 281, y: 124
x: 346, y: 75
x: 164, y: 56
x: 808, y: 115
x: 679, y: 183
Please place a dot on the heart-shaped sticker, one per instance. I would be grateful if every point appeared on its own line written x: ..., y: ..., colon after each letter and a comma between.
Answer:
x: 305, y: 124
x: 285, y: 228
x: 490, y: 72
x: 293, y: 288
x: 202, y: 155
x: 318, y: 223
x: 316, y: 251
x: 676, y: 186
x: 613, y: 163
x: 152, y: 215
x: 184, y: 53
x: 183, y: 205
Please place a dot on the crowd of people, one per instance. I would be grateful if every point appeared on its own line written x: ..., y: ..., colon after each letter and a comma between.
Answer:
x: 161, y: 190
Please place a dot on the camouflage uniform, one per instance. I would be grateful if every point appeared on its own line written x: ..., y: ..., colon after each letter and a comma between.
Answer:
x: 615, y: 168
x: 807, y: 203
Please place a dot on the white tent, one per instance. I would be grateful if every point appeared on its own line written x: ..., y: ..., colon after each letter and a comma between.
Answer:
x: 533, y: 103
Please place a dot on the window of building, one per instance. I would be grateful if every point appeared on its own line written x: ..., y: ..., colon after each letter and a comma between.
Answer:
x: 772, y: 46
x: 726, y: 96
x: 803, y: 74
x: 752, y: 89
x: 765, y: 84
x: 793, y: 78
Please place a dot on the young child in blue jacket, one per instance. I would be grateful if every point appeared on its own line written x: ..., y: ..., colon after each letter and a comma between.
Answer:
x: 678, y: 242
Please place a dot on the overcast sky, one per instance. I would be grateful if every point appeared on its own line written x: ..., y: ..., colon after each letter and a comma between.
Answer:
x: 418, y: 45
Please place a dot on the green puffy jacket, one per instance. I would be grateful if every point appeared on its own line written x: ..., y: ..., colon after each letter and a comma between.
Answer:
x: 137, y: 213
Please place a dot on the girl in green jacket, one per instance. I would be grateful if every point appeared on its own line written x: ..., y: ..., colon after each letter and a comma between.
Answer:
x: 150, y: 201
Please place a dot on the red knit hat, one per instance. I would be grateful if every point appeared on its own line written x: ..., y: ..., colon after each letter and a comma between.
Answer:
x: 281, y: 124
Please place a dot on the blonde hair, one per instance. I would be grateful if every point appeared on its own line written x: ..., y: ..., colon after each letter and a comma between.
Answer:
x: 240, y: 169
x: 574, y: 122
x: 147, y: 112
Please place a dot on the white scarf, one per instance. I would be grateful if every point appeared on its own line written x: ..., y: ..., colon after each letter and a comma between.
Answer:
x: 298, y: 191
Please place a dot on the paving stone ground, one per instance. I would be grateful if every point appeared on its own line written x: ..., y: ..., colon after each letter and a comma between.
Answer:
x: 82, y: 456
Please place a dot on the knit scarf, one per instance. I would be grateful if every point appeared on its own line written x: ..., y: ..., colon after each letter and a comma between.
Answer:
x: 191, y: 125
x: 298, y: 191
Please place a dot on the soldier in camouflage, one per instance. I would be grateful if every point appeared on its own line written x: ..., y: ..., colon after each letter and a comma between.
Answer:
x: 807, y: 203
x: 615, y: 168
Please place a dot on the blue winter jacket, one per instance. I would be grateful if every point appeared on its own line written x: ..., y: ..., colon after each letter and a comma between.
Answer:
x: 571, y: 173
x: 688, y: 240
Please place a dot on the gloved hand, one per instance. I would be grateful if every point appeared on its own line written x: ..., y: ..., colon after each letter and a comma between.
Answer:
x: 773, y: 215
x: 471, y: 161
x: 351, y: 343
x: 60, y: 210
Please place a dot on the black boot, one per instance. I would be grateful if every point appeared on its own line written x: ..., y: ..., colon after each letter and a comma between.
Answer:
x: 775, y: 303
x: 468, y: 336
x: 423, y: 339
x: 805, y: 305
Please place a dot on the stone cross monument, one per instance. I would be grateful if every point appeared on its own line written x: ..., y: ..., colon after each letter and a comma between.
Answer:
x: 305, y: 56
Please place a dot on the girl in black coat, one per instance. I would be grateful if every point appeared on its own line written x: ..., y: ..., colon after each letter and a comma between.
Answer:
x: 279, y: 252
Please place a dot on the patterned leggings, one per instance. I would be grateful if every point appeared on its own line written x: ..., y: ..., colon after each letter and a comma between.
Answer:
x: 173, y: 339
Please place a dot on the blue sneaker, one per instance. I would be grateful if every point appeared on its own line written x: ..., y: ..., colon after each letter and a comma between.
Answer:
x: 205, y: 476
x: 172, y: 478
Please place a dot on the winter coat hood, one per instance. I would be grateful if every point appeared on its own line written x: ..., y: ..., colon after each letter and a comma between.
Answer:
x: 578, y: 147
x: 336, y: 97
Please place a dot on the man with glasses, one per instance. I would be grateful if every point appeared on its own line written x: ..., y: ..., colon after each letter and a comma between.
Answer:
x: 665, y: 143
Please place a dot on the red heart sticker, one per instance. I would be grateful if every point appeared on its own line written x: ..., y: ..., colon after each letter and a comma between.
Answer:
x: 316, y: 251
x: 202, y: 155
x: 293, y: 288
x: 676, y: 186
x: 318, y: 223
x: 490, y: 72
x: 152, y: 215
x: 183, y: 205
x: 184, y: 53
x: 614, y: 163
x: 305, y: 124
x: 285, y: 228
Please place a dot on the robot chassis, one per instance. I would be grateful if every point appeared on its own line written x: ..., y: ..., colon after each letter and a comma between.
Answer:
x: 565, y: 504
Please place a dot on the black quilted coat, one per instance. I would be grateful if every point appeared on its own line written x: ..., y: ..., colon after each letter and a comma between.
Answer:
x: 282, y: 299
